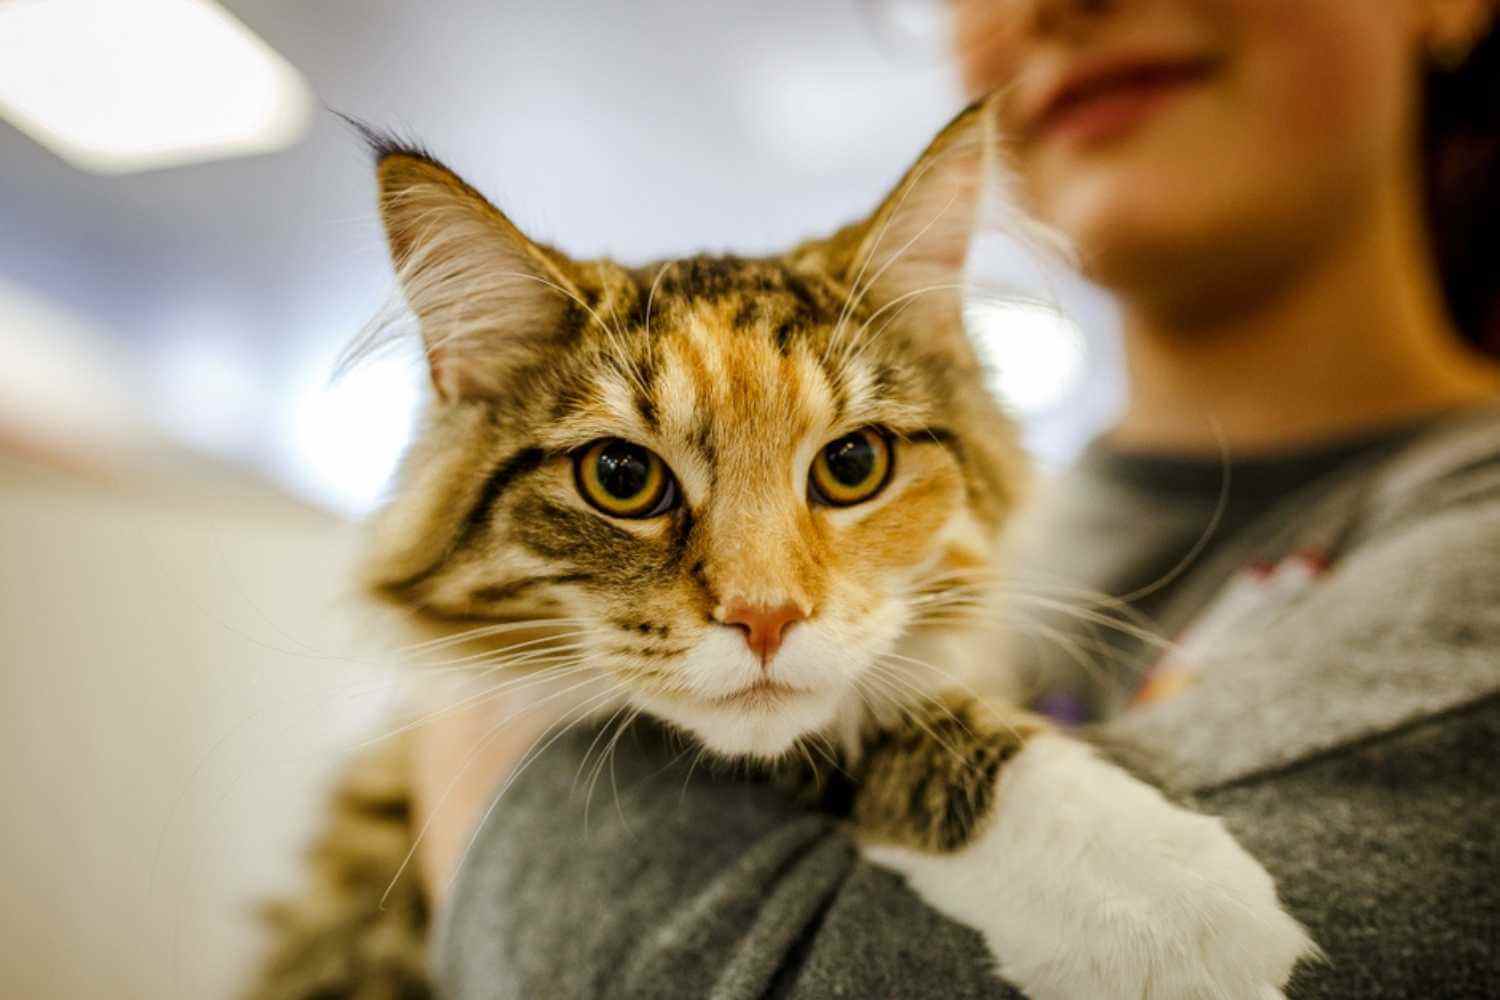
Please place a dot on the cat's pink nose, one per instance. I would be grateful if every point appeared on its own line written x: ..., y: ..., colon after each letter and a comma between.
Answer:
x: 764, y: 626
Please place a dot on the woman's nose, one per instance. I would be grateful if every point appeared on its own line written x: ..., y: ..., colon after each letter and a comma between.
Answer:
x: 1054, y: 14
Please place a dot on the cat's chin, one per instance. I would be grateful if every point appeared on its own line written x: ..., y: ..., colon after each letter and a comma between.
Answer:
x: 756, y: 724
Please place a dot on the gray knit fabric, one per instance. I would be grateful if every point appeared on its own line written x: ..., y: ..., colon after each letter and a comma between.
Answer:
x: 686, y: 887
x: 1389, y: 851
x: 1405, y: 625
x: 1350, y: 737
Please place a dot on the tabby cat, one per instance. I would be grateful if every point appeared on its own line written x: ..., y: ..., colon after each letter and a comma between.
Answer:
x: 762, y: 501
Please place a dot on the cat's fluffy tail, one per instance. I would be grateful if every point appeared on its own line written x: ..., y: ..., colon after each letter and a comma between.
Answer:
x: 344, y: 937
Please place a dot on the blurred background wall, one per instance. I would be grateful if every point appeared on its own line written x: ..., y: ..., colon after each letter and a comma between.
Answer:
x: 178, y: 469
x: 177, y: 688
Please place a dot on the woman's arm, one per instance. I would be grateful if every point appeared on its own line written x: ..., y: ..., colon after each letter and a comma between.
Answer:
x: 667, y: 881
x: 1388, y: 852
x: 458, y: 761
x: 1079, y: 879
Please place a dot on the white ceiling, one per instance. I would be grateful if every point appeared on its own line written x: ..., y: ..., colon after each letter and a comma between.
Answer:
x: 640, y: 128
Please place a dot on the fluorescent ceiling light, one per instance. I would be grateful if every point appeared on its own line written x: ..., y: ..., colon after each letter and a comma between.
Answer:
x: 115, y: 86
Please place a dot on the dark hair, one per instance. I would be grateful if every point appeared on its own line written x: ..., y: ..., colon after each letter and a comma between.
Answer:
x: 1461, y: 147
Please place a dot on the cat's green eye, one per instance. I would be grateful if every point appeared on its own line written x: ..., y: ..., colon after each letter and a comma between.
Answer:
x: 623, y: 479
x: 851, y: 469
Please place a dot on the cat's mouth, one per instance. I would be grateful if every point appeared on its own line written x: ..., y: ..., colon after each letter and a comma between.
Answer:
x: 762, y: 694
x: 760, y: 718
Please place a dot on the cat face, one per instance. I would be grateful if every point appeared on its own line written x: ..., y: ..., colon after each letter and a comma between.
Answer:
x: 737, y: 483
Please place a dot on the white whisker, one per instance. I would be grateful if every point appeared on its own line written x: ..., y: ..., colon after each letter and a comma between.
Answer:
x: 527, y: 760
x: 463, y: 768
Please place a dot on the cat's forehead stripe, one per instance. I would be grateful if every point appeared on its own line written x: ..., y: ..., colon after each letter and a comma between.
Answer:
x: 677, y: 392
x: 750, y: 346
x: 617, y: 395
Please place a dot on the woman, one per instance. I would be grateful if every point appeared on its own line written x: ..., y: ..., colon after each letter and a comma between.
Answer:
x: 1282, y: 195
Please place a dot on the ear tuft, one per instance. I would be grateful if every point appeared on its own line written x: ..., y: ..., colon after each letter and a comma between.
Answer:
x: 384, y: 142
x: 486, y: 298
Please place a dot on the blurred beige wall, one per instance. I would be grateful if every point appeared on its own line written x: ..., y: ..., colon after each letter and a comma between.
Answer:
x: 177, y: 683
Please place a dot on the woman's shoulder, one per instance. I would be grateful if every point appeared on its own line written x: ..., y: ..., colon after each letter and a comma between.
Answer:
x: 1429, y: 470
x: 1371, y: 608
x: 1458, y: 456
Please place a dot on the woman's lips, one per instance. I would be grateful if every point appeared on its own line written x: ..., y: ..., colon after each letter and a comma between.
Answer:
x: 1110, y: 103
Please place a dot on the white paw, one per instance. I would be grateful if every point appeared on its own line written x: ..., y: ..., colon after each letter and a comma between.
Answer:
x: 1088, y: 884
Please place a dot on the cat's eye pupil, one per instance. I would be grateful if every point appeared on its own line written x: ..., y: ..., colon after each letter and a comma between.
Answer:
x: 850, y: 459
x: 624, y: 470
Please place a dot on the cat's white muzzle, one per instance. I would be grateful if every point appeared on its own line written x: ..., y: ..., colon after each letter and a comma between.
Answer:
x: 739, y: 708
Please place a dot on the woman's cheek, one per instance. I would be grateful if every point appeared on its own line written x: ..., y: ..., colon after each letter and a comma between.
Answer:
x: 1331, y: 82
x: 987, y: 40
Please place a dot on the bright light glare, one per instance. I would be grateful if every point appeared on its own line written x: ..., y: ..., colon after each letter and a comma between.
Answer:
x: 1036, y: 354
x: 349, y: 434
x: 113, y: 86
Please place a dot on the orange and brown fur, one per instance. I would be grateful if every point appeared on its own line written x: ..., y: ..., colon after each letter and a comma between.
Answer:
x: 734, y: 371
x: 736, y: 375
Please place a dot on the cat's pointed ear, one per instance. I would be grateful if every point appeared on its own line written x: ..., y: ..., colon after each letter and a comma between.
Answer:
x: 909, y: 257
x: 486, y: 297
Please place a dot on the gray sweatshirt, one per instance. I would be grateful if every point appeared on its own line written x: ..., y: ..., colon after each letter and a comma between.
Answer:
x: 1334, y: 694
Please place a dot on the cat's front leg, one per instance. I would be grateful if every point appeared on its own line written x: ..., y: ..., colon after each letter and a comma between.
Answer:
x: 1084, y: 881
